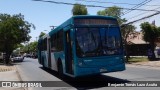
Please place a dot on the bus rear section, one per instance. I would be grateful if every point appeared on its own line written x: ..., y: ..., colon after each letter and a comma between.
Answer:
x: 98, y: 50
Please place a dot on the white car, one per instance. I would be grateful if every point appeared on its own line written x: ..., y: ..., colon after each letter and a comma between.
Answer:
x: 18, y: 58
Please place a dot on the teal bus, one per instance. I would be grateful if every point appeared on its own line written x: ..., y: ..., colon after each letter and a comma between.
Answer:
x: 83, y: 45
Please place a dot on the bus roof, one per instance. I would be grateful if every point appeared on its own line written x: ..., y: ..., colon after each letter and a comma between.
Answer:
x: 70, y: 21
x: 93, y: 16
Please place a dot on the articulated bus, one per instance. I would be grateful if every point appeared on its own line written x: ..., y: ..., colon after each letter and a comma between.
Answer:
x: 83, y: 45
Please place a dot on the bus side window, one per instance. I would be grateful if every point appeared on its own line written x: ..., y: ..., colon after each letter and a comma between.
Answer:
x: 59, y: 41
x: 44, y: 44
x: 53, y: 38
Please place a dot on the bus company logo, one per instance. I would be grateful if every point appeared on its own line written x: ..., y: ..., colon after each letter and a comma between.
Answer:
x: 6, y: 84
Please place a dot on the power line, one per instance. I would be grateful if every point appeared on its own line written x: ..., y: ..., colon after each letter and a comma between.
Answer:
x: 141, y: 19
x: 141, y: 14
x: 112, y: 2
x: 137, y: 6
x: 55, y: 2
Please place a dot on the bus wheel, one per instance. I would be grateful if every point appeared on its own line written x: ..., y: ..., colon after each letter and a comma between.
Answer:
x: 60, y: 69
x: 43, y: 63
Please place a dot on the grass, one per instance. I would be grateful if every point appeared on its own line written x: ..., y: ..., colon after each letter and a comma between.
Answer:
x: 138, y: 59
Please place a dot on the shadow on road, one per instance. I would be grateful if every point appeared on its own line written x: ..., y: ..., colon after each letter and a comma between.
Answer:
x: 88, y: 82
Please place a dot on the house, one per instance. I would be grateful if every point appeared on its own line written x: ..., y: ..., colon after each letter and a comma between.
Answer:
x: 136, y: 38
x: 136, y: 45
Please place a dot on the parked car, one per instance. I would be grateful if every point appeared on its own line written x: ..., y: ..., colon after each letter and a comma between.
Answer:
x: 28, y: 56
x: 157, y: 52
x: 18, y: 58
x: 2, y: 56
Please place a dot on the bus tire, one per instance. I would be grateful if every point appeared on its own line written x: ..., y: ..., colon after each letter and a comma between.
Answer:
x: 60, y: 69
x: 43, y: 63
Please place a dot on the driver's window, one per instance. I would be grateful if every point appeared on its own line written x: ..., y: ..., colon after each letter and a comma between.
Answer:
x: 111, y: 41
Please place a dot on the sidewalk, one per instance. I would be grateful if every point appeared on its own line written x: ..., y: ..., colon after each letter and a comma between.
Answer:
x: 9, y: 73
x: 149, y: 64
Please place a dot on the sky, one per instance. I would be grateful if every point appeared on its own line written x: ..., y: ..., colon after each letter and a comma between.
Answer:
x: 44, y: 14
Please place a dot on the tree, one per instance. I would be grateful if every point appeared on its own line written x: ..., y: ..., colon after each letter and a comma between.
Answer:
x: 150, y: 34
x: 13, y: 31
x: 125, y: 32
x: 42, y: 34
x: 101, y: 12
x: 33, y: 46
x: 29, y: 47
x: 113, y: 11
x: 79, y: 9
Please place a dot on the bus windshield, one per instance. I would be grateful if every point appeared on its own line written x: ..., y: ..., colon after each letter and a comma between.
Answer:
x: 91, y: 42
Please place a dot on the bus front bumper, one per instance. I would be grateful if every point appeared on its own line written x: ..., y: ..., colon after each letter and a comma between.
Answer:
x: 83, y: 71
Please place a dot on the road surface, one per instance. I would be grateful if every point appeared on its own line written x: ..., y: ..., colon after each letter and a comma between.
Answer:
x: 31, y: 70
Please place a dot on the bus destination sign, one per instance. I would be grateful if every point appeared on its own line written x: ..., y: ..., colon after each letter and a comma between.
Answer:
x: 95, y: 22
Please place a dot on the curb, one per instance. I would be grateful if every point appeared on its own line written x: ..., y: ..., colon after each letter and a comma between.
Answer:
x: 144, y: 65
x: 20, y: 78
x: 10, y: 73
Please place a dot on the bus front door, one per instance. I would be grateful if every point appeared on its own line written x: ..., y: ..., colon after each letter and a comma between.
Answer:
x: 68, y: 53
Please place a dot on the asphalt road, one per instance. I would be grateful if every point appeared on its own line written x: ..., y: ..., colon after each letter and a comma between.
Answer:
x: 31, y: 70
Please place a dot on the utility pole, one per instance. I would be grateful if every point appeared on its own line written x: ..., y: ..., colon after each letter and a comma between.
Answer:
x: 53, y: 27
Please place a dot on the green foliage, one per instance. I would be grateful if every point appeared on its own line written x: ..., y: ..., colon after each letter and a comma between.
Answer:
x: 29, y: 47
x: 33, y: 46
x: 101, y: 12
x: 13, y: 31
x: 42, y: 34
x: 151, y: 32
x: 114, y: 11
x: 79, y: 9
